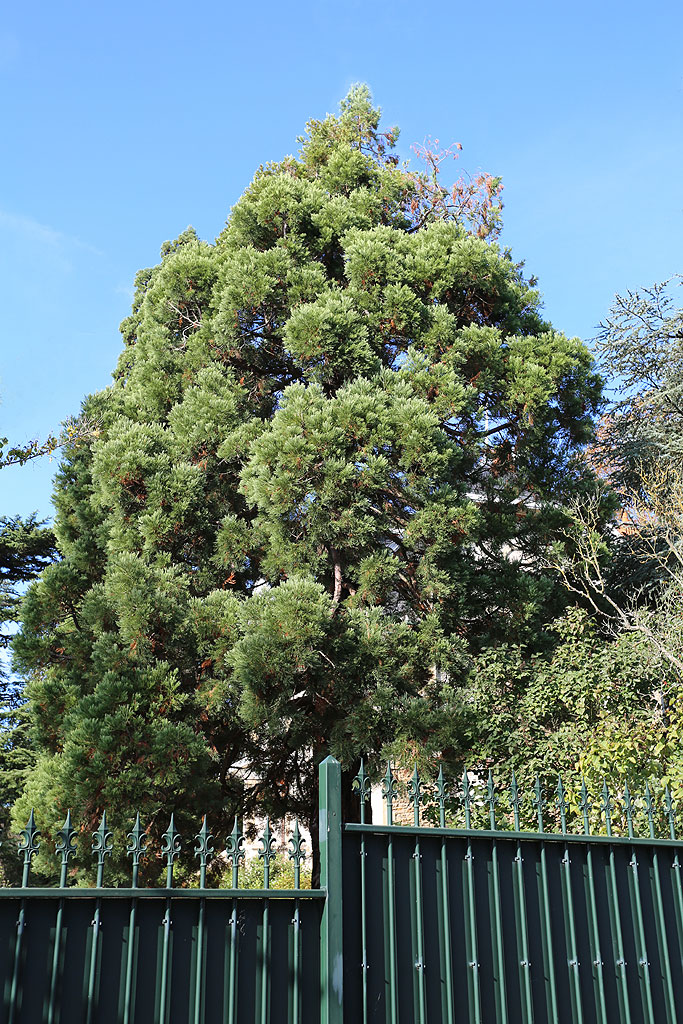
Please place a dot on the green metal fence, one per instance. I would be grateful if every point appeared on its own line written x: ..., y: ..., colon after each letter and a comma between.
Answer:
x: 501, y: 925
x: 470, y: 912
x: 165, y: 955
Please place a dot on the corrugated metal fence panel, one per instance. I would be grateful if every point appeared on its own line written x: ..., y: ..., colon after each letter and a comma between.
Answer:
x: 504, y: 929
x: 253, y: 963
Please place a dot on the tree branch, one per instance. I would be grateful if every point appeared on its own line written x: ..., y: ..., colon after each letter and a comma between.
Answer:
x: 336, y: 596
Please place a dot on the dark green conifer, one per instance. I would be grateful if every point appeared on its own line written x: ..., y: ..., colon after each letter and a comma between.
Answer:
x: 336, y: 441
x: 26, y: 547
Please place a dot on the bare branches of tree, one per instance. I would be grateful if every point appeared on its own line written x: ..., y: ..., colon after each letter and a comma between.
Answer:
x: 649, y: 526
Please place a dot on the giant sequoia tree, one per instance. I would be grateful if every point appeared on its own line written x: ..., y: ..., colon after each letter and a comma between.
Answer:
x: 336, y: 440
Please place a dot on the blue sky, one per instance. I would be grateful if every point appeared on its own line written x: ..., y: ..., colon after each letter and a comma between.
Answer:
x: 123, y: 123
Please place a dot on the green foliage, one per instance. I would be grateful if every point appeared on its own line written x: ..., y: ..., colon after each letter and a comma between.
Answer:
x: 590, y: 706
x: 623, y: 553
x: 281, y: 875
x: 73, y: 430
x: 336, y: 442
x: 641, y: 340
x: 26, y: 547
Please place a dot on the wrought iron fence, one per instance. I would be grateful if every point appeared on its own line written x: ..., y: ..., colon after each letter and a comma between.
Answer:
x: 485, y: 906
x: 191, y: 954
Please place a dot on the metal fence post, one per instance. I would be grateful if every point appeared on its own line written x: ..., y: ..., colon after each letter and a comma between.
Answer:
x: 331, y: 946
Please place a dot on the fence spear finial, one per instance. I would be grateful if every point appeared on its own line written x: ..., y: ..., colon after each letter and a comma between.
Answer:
x: 650, y: 810
x: 389, y: 792
x: 102, y: 846
x: 539, y: 803
x: 296, y: 852
x: 441, y: 792
x: 136, y: 846
x: 562, y: 804
x: 585, y: 806
x: 65, y: 846
x: 267, y: 852
x: 628, y: 808
x: 171, y: 846
x: 203, y: 850
x: 515, y: 800
x: 415, y: 792
x: 607, y: 806
x: 361, y: 785
x: 235, y: 851
x: 467, y: 798
x: 28, y: 846
x: 492, y: 799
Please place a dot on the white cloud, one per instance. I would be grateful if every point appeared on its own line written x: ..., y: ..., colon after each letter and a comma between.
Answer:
x: 33, y: 231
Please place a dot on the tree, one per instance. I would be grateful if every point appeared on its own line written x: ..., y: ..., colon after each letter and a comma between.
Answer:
x: 336, y: 442
x: 622, y: 549
x: 641, y: 341
x: 588, y: 706
x: 26, y: 547
x: 645, y: 533
x: 607, y: 699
